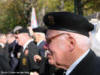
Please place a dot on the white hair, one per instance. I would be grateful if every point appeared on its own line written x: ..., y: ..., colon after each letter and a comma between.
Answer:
x: 82, y: 41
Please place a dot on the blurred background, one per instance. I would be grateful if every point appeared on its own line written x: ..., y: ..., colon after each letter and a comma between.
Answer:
x: 18, y: 12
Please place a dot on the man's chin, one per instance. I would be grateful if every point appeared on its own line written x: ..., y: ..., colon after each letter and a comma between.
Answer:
x: 55, y: 64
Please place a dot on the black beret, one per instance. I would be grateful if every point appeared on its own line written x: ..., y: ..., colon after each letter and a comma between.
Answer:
x: 68, y: 22
x: 40, y: 29
x: 21, y: 30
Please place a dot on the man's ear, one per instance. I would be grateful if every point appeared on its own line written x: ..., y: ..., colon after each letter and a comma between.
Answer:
x: 72, y: 42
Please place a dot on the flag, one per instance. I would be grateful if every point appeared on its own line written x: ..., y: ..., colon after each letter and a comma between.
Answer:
x: 34, y: 23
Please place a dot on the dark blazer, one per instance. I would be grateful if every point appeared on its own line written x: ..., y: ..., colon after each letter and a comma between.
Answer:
x: 90, y: 65
x: 44, y: 68
x: 4, y: 65
x: 29, y: 63
x: 41, y: 48
x: 4, y: 60
x: 14, y: 48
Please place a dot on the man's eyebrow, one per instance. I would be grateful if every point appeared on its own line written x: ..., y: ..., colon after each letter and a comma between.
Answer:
x: 57, y: 36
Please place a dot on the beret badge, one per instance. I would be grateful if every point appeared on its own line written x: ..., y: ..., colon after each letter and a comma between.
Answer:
x: 51, y: 20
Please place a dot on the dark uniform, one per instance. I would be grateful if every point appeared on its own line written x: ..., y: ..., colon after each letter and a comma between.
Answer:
x: 13, y: 48
x: 4, y: 60
x: 26, y: 62
x: 90, y: 65
x: 44, y: 65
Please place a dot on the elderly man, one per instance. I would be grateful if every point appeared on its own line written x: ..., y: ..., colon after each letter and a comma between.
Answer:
x: 69, y: 45
x: 39, y: 34
x: 26, y: 62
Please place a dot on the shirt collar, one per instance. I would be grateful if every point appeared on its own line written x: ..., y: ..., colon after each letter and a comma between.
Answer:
x: 39, y: 42
x: 26, y: 44
x: 71, y: 68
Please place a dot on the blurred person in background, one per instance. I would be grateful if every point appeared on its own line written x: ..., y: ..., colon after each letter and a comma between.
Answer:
x: 29, y: 49
x: 39, y: 34
x: 4, y: 54
x: 13, y: 49
x: 39, y: 37
x: 95, y: 35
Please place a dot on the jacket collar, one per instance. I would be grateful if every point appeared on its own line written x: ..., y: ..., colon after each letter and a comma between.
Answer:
x: 83, y: 65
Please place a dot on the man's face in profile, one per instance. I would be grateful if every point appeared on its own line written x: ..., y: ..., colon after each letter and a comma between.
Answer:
x: 58, y: 46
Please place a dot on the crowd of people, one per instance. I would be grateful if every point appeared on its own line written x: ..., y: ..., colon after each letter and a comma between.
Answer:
x: 63, y: 48
x: 19, y: 49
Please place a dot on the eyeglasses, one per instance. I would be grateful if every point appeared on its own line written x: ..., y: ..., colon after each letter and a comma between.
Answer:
x: 50, y: 39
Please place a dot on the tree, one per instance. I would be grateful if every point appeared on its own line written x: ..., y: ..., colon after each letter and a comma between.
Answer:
x: 13, y: 14
x: 18, y: 12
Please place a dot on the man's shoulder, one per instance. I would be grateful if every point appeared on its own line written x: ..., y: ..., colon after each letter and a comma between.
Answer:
x: 32, y: 44
x: 32, y: 47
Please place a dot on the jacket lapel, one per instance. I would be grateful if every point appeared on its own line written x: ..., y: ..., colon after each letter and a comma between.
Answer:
x: 85, y: 65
